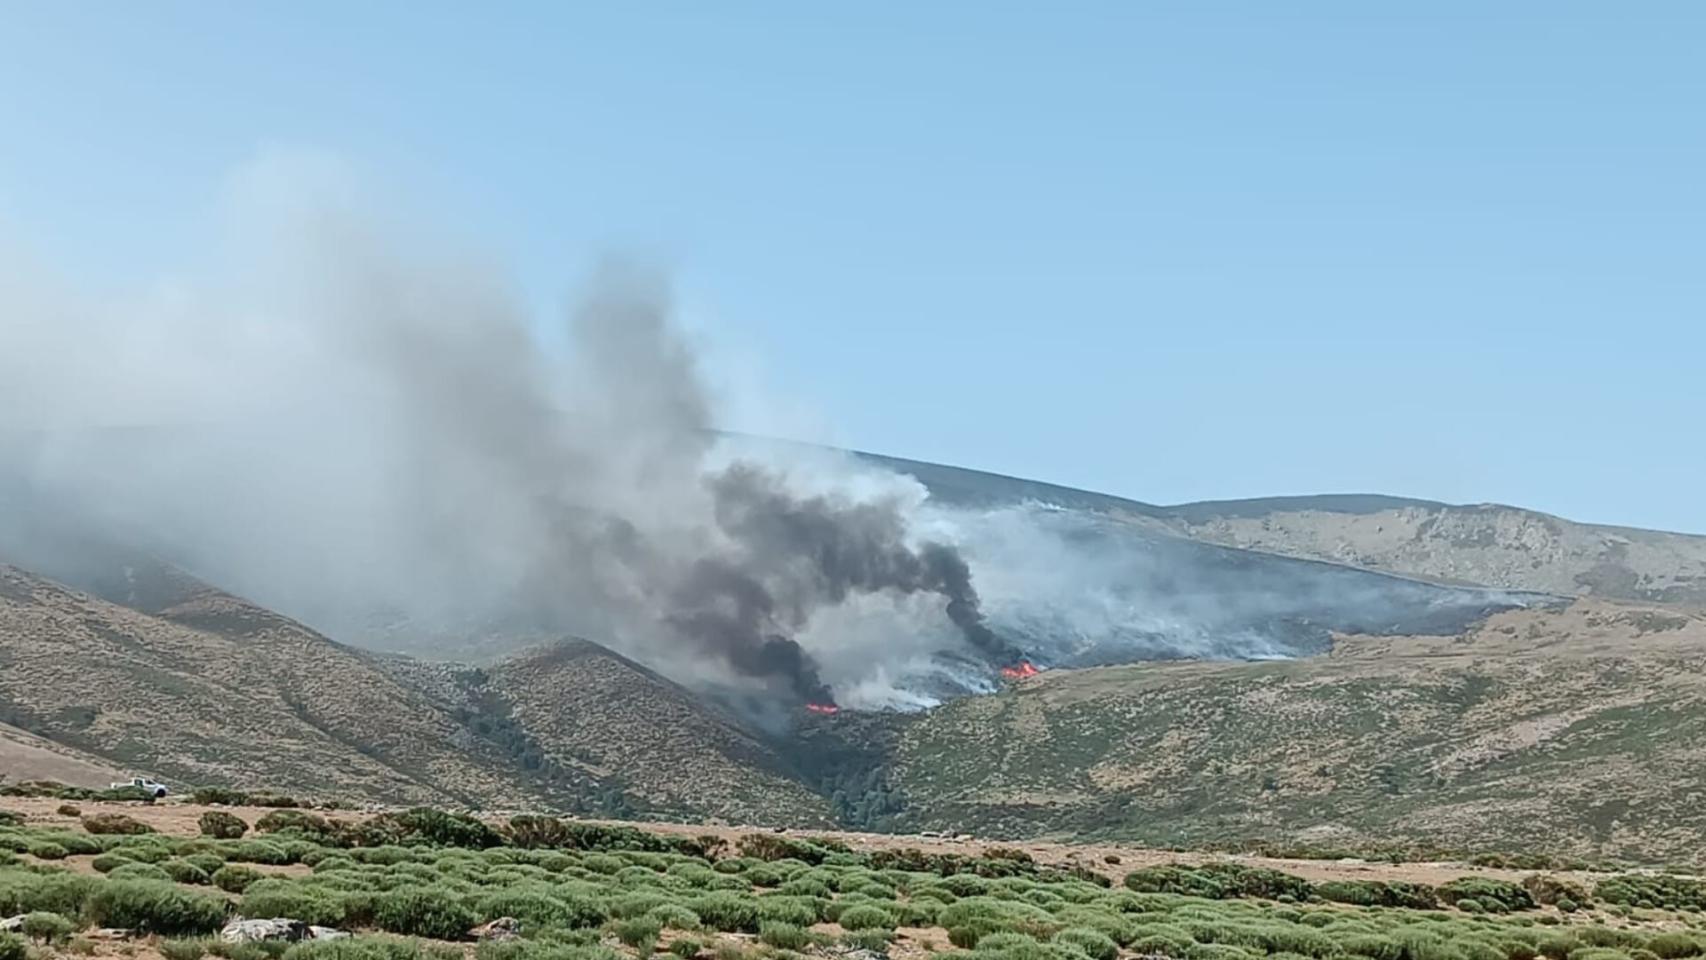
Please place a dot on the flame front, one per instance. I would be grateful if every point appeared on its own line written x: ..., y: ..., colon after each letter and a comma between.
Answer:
x: 1020, y: 671
x: 823, y: 708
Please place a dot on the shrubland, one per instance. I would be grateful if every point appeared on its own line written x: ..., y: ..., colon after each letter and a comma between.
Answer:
x: 405, y: 882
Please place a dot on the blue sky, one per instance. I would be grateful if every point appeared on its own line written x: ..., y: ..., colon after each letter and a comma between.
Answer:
x: 1167, y: 250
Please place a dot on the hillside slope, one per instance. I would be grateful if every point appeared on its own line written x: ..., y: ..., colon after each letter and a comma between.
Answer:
x: 590, y: 708
x: 1576, y: 731
x: 25, y: 756
x: 210, y: 689
x: 1485, y: 544
x: 214, y: 690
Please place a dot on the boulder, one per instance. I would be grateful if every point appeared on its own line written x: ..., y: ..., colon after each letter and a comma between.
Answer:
x: 327, y: 933
x: 840, y: 951
x: 12, y: 924
x: 503, y: 928
x: 258, y: 931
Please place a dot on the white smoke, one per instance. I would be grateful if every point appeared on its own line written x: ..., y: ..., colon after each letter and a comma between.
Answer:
x: 362, y: 429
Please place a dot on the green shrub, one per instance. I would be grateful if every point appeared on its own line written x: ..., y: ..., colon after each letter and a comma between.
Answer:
x: 259, y: 851
x: 1172, y: 878
x: 155, y: 908
x: 965, y: 884
x: 539, y: 906
x: 1567, y: 905
x: 968, y: 932
x: 47, y: 927
x: 378, y: 948
x: 1499, y: 896
x: 47, y: 850
x: 636, y: 904
x: 1218, y: 881
x: 1547, y: 890
x: 1470, y: 905
x: 1372, y: 945
x: 782, y: 908
x: 68, y: 810
x: 271, y: 897
x: 183, y: 949
x: 1018, y: 946
x: 141, y: 849
x: 76, y: 844
x: 207, y: 796
x: 1664, y: 890
x: 140, y: 871
x: 221, y: 825
x: 1376, y: 893
x: 866, y: 917
x: 686, y: 948
x: 423, y: 912
x: 235, y: 878
x: 293, y: 821
x: 637, y: 931
x: 1297, y: 939
x: 13, y: 947
x: 769, y: 846
x: 1672, y: 945
x: 115, y: 824
x: 1092, y: 943
x: 785, y: 936
x: 183, y: 871
x: 447, y: 829
x: 726, y: 911
x: 61, y: 893
x: 674, y: 916
x: 208, y: 863
x: 1420, y: 944
x: 530, y: 832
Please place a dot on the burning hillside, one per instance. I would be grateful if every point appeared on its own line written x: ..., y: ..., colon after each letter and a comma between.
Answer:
x: 1023, y: 670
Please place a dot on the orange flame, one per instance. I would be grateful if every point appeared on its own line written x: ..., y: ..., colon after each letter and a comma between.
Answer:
x: 823, y: 708
x: 1020, y: 671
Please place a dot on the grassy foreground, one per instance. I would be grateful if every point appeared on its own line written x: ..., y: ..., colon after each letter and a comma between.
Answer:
x: 415, y: 884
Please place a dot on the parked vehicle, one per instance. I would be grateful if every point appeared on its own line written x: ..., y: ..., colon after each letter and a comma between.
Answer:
x: 153, y: 788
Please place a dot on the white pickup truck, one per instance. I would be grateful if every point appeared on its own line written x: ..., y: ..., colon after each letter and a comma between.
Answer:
x: 154, y: 788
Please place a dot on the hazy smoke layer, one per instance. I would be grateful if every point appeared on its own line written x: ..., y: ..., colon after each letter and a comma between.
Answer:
x: 353, y: 425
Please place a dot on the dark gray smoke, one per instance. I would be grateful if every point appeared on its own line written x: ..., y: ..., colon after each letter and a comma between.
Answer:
x: 794, y: 555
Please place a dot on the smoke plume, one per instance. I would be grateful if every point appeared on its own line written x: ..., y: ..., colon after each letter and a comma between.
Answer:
x: 359, y: 431
x: 368, y: 432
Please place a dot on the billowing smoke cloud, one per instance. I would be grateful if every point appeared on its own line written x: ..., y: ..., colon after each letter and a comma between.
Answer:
x: 371, y: 435
x: 372, y: 438
x: 795, y: 555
